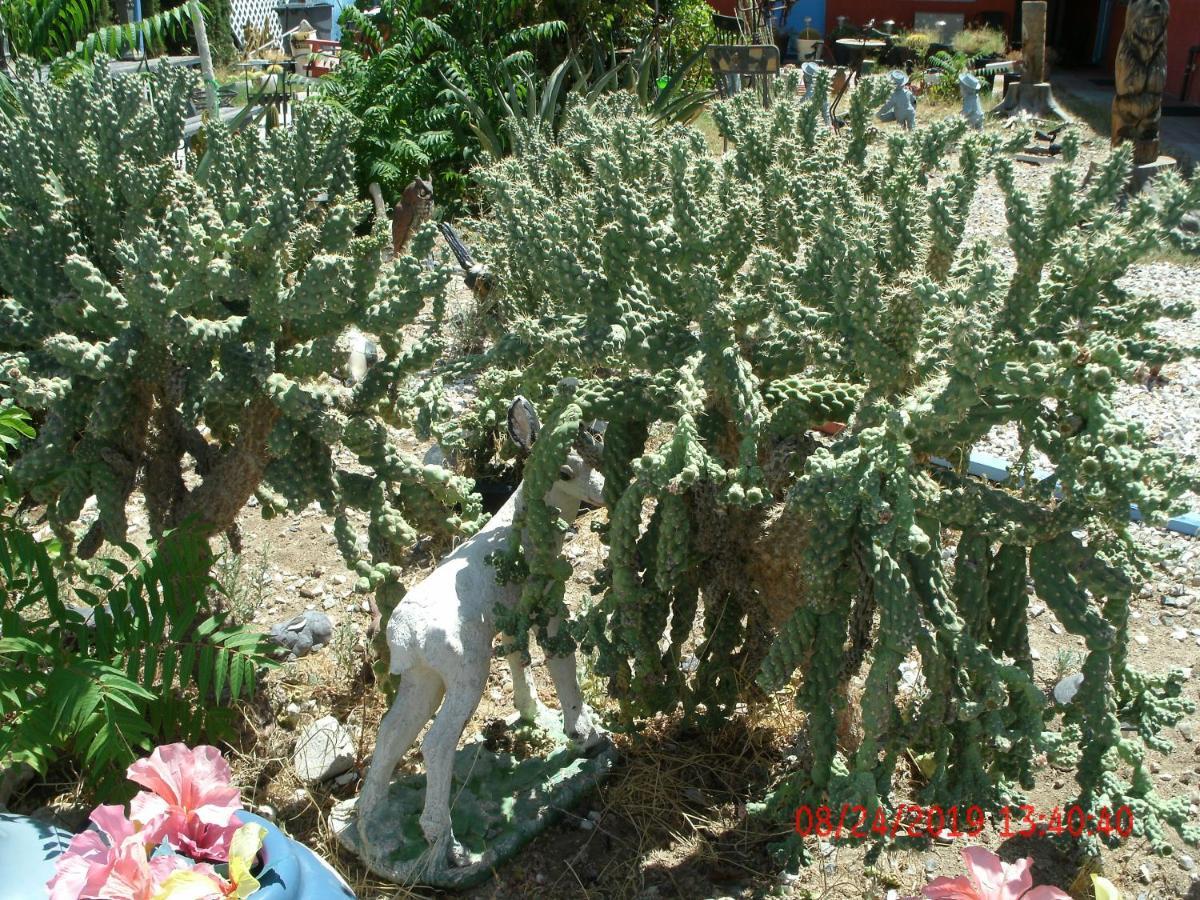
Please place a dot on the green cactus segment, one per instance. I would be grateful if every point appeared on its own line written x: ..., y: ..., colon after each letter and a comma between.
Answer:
x: 799, y: 403
x: 717, y: 310
x: 175, y: 321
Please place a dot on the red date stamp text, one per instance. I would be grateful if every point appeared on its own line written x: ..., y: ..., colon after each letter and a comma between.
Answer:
x: 908, y: 820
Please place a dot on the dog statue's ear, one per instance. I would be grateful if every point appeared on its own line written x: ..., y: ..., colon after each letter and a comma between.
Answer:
x: 523, y: 424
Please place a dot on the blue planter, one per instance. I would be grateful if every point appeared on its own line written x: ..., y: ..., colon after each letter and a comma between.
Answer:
x: 28, y: 849
x: 290, y: 870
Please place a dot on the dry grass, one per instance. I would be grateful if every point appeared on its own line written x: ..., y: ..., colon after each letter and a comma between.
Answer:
x: 674, y: 814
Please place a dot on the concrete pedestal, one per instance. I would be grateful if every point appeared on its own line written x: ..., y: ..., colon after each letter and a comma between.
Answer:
x: 1144, y: 174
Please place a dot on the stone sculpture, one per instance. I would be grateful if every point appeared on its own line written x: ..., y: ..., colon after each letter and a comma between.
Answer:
x: 810, y: 71
x: 901, y: 107
x: 972, y: 109
x: 1141, y: 78
x: 440, y: 638
x: 304, y: 633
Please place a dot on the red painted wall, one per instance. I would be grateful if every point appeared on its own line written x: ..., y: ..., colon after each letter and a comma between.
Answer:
x: 860, y: 11
x: 1183, y: 33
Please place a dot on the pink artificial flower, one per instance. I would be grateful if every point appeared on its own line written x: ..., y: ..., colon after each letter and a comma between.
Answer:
x: 92, y: 855
x: 190, y: 789
x: 990, y: 878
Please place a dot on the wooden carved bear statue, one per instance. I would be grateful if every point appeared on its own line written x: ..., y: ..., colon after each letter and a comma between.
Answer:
x: 1141, y: 78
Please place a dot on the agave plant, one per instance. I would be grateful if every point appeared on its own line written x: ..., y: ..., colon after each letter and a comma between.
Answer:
x: 539, y: 103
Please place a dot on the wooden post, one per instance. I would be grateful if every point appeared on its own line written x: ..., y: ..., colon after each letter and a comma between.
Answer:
x: 206, y: 65
x: 1033, y: 40
x: 1031, y: 96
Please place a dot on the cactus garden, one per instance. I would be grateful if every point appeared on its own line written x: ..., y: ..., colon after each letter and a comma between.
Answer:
x: 891, y: 427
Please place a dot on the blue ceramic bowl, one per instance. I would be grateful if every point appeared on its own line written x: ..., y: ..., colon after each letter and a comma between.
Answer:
x: 28, y: 849
x: 290, y: 870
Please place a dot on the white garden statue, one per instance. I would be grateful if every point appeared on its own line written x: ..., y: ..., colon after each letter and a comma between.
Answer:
x: 440, y: 638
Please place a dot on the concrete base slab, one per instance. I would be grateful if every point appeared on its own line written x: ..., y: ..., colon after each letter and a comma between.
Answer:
x: 499, y: 804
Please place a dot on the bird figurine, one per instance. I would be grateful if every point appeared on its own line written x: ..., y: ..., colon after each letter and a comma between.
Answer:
x: 477, y: 277
x: 414, y: 210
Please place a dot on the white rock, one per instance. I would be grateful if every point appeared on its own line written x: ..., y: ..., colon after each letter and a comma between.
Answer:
x: 323, y: 750
x: 1141, y: 640
x: 1067, y: 688
x: 266, y: 810
x: 1180, y: 634
x: 910, y: 674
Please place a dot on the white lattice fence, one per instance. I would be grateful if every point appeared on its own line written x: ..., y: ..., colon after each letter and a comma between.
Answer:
x: 255, y: 12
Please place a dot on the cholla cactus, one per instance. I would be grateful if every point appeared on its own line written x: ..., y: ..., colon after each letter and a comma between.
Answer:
x: 153, y: 314
x: 716, y: 311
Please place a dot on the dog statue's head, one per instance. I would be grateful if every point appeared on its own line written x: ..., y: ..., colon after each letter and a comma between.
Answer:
x: 1147, y: 19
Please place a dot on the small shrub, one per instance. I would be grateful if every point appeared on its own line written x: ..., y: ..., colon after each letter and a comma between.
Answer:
x: 948, y: 66
x: 984, y: 43
x: 918, y: 42
x: 97, y: 666
x: 396, y: 64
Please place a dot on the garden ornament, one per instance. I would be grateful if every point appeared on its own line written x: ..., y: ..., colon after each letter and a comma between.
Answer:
x: 361, y: 353
x: 972, y: 109
x: 901, y: 106
x: 300, y: 635
x: 413, y: 210
x: 1141, y: 78
x: 475, y: 274
x: 810, y: 70
x: 440, y: 637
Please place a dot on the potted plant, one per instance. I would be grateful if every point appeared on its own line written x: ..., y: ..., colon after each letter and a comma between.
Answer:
x: 187, y: 837
x: 807, y: 43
